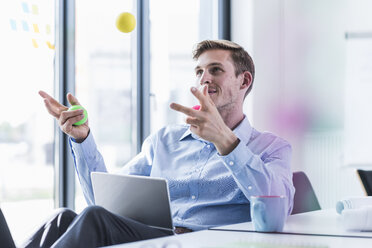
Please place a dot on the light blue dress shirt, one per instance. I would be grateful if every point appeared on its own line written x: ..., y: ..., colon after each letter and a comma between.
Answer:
x: 206, y: 189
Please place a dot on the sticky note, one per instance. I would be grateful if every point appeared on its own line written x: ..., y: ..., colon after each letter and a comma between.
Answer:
x: 25, y: 26
x: 25, y: 7
x: 36, y: 28
x: 51, y: 46
x: 34, y: 43
x: 35, y: 9
x: 48, y: 29
x: 13, y: 24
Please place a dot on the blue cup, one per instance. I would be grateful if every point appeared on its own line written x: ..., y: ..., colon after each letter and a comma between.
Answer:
x: 268, y: 213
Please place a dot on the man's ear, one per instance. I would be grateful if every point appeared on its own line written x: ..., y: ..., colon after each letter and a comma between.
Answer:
x: 247, y: 80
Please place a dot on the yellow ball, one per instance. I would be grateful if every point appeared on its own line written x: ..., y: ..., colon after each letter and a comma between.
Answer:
x: 126, y: 22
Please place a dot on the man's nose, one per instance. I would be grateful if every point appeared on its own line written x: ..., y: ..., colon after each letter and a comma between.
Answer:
x: 205, y: 78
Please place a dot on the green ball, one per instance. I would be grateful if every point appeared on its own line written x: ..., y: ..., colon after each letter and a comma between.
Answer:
x: 76, y: 107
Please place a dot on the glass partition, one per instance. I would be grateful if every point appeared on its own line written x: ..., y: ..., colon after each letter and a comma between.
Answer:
x: 313, y: 85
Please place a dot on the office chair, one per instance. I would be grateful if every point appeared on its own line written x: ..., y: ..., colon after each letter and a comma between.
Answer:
x: 304, y: 199
x: 366, y: 179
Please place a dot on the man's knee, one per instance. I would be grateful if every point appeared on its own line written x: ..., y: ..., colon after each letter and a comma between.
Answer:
x: 61, y: 217
x: 93, y: 211
x: 65, y: 215
x: 55, y: 226
x: 65, y: 212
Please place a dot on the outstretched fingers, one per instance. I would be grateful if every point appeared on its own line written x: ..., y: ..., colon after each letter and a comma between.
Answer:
x: 52, y: 105
x: 183, y: 109
x: 50, y: 108
x: 200, y: 95
x: 51, y: 100
x: 72, y: 99
x: 193, y: 121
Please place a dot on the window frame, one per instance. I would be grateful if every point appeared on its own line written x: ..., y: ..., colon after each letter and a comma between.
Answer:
x: 65, y: 82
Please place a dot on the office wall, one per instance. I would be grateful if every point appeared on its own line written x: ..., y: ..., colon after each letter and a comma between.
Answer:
x: 300, y: 52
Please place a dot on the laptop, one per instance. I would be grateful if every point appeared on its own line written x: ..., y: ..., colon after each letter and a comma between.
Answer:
x: 143, y: 199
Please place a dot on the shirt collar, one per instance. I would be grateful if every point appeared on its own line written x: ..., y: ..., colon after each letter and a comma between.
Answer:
x: 186, y: 134
x: 243, y: 131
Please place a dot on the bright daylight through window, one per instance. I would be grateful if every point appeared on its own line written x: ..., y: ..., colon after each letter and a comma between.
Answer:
x: 26, y: 130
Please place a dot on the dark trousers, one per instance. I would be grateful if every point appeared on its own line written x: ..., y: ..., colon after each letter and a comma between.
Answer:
x: 6, y: 239
x: 93, y: 227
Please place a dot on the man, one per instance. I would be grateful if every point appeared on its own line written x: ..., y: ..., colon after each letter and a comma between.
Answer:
x: 213, y: 163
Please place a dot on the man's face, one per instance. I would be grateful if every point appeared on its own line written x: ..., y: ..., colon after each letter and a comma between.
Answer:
x: 216, y: 68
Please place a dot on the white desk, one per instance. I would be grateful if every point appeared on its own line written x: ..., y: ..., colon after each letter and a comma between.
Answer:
x: 322, y: 222
x: 318, y: 229
x: 227, y: 239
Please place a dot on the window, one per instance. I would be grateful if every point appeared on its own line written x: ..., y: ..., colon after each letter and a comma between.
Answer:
x: 104, y: 80
x: 26, y: 129
x: 105, y: 83
x: 176, y: 26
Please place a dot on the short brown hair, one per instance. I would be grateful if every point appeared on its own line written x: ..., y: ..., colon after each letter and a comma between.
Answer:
x: 242, y: 60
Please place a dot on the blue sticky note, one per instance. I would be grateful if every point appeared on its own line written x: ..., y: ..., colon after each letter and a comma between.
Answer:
x: 25, y: 26
x: 25, y: 7
x: 13, y: 24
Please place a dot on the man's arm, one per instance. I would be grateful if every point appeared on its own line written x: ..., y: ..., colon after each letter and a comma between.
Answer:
x: 86, y: 156
x: 84, y: 150
x: 88, y: 159
x: 268, y: 174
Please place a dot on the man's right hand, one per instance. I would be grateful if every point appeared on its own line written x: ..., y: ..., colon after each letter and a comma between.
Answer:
x: 65, y: 118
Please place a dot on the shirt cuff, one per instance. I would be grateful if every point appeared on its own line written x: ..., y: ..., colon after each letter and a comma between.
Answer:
x: 238, y: 158
x: 87, y: 148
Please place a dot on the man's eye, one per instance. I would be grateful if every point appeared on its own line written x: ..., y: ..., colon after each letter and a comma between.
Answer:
x: 199, y: 72
x: 215, y: 69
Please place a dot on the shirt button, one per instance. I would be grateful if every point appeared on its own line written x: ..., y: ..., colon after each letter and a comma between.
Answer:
x: 193, y: 197
x: 231, y: 163
x: 249, y: 187
x: 208, y: 146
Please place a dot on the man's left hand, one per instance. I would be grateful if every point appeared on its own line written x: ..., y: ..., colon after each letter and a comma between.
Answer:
x: 207, y: 122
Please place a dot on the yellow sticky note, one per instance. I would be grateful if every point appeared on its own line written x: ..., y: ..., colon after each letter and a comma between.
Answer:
x: 51, y: 46
x: 36, y: 28
x: 48, y: 29
x: 34, y: 43
x: 35, y: 10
